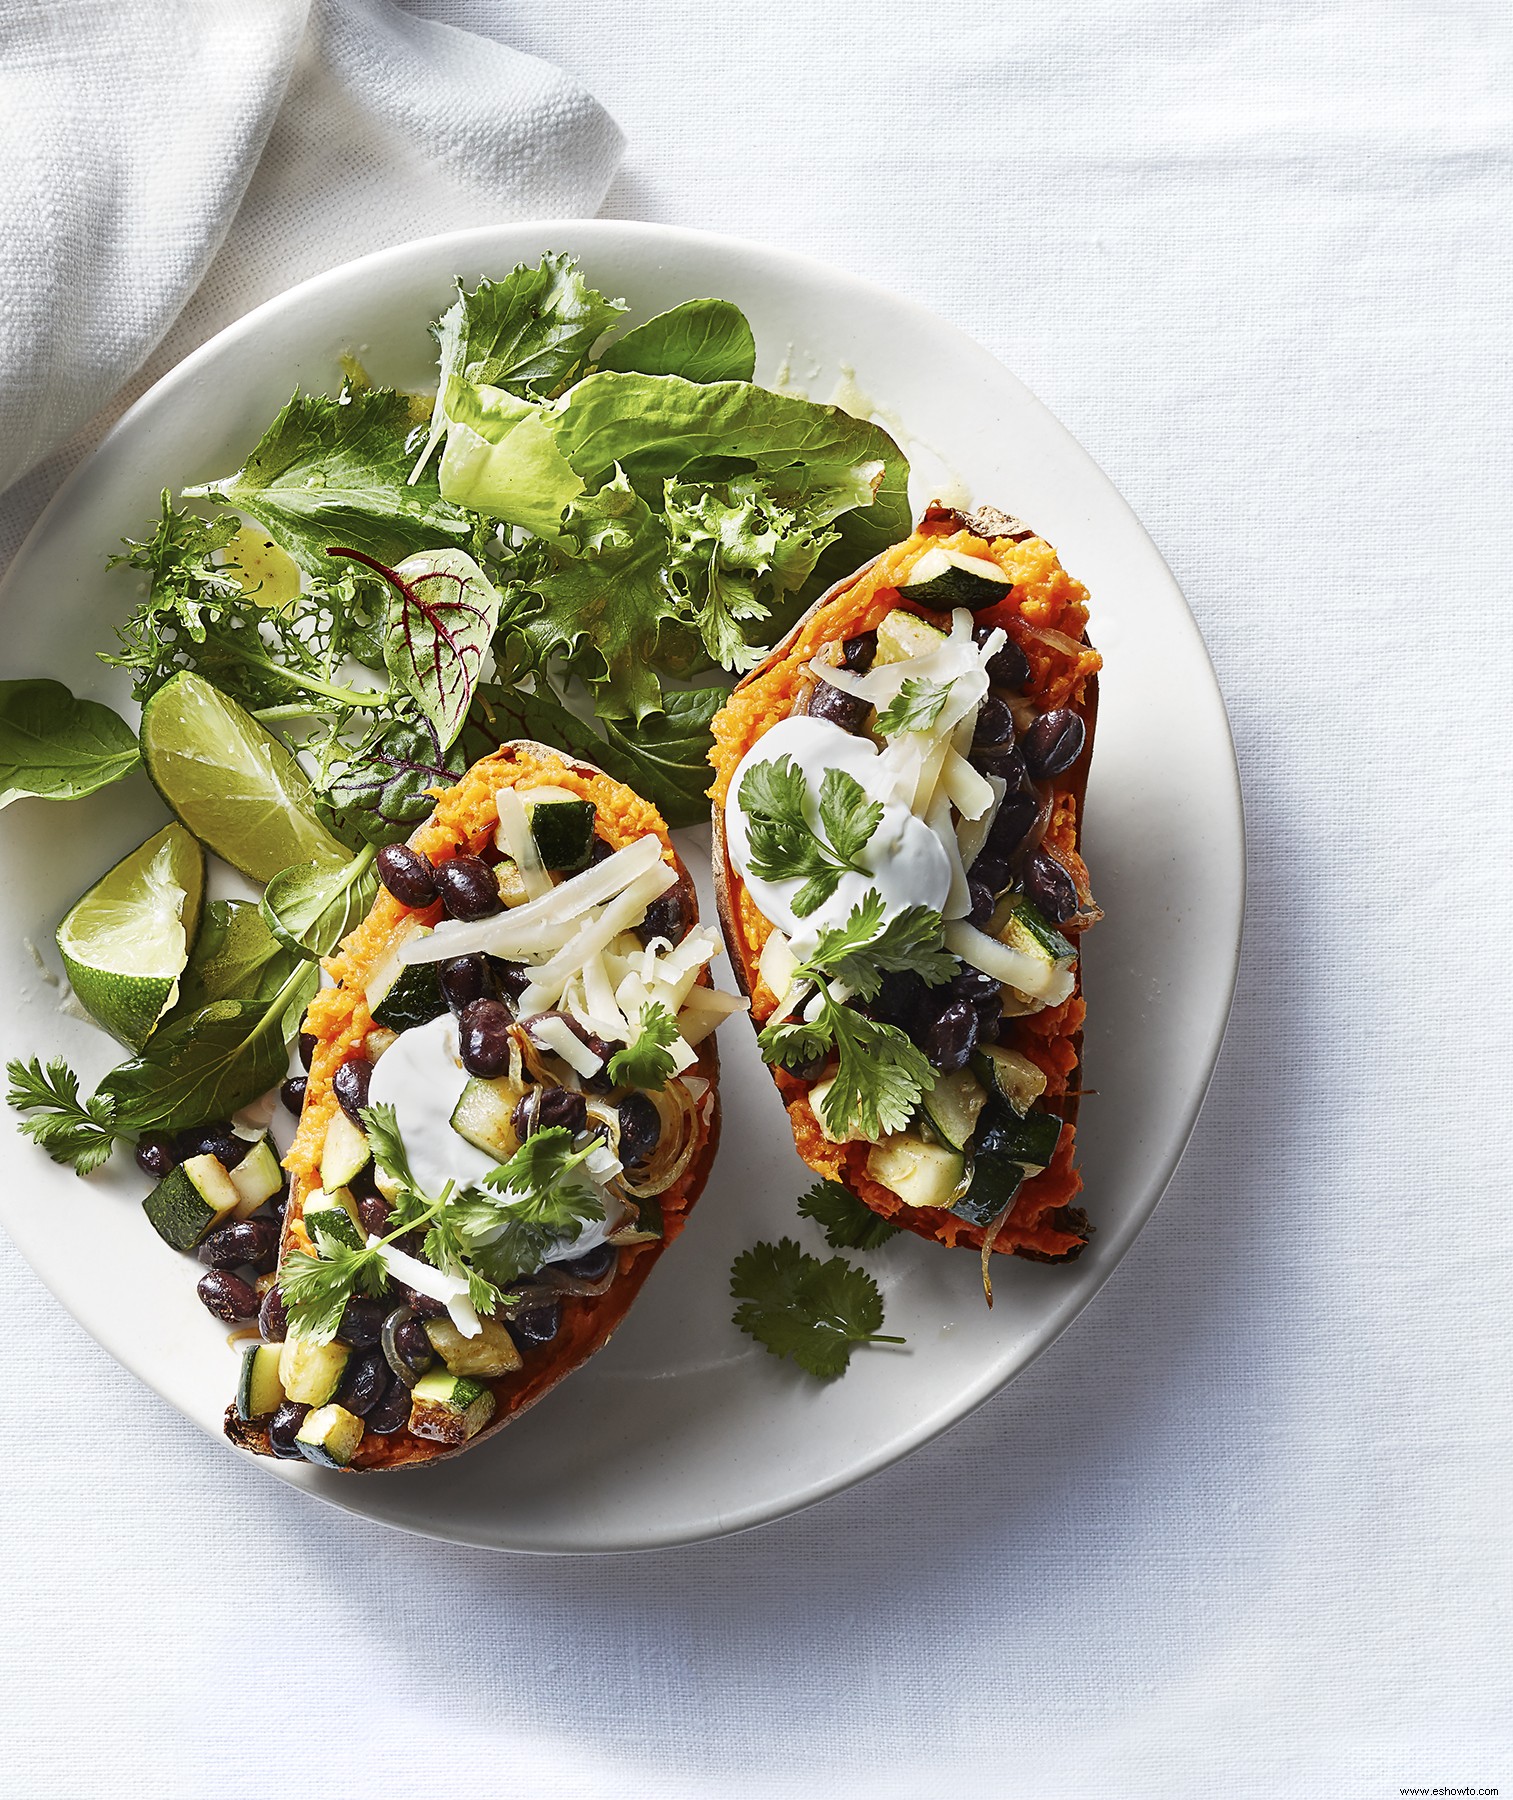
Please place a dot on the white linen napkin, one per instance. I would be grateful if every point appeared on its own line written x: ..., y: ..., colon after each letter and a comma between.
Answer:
x: 170, y: 164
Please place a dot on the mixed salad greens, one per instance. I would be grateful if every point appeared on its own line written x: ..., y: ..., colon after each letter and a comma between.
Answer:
x: 582, y: 538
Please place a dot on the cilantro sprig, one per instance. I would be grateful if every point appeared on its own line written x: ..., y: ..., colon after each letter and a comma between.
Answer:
x: 880, y: 1075
x: 487, y: 1235
x: 77, y: 1133
x: 814, y: 1313
x: 915, y: 707
x: 783, y: 843
x: 647, y: 1061
x: 847, y: 1223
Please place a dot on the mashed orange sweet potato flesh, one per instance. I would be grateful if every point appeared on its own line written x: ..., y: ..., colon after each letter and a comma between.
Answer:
x: 1045, y: 613
x: 339, y: 1019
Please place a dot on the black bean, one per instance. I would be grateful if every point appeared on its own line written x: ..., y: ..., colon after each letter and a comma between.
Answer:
x: 228, y: 1296
x: 1053, y: 743
x: 283, y: 1428
x: 351, y: 1083
x: 900, y: 997
x: 483, y: 1031
x: 209, y: 1139
x: 252, y: 1241
x: 362, y: 1323
x: 982, y: 897
x: 1008, y: 667
x: 468, y: 889
x: 1012, y: 824
x: 983, y: 994
x: 667, y: 917
x: 538, y: 1326
x: 858, y: 653
x: 407, y: 1347
x: 950, y: 1039
x: 995, y: 723
x: 640, y: 1127
x: 157, y: 1154
x: 593, y: 1265
x: 512, y: 978
x: 542, y: 1108
x: 392, y: 1413
x: 373, y: 1210
x: 465, y: 979
x: 273, y: 1317
x: 598, y: 850
x: 307, y: 1045
x: 836, y: 708
x: 1003, y: 760
x: 423, y: 1305
x: 1052, y: 889
x: 292, y: 1093
x: 992, y: 871
x: 363, y: 1382
x: 407, y: 874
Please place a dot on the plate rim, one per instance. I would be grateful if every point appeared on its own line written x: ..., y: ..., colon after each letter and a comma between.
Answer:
x: 485, y: 241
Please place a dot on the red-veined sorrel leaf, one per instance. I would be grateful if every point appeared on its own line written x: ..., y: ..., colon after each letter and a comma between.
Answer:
x: 443, y: 611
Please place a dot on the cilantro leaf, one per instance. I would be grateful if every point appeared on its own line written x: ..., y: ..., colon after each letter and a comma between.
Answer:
x: 390, y: 1157
x: 71, y: 1131
x: 915, y: 707
x: 316, y: 1289
x: 862, y: 950
x: 335, y: 472
x: 815, y: 1313
x: 541, y: 1201
x: 647, y: 1062
x: 784, y: 845
x: 880, y: 1076
x: 848, y: 1223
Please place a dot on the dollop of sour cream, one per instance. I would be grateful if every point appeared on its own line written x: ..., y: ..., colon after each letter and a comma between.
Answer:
x: 904, y: 859
x: 421, y: 1076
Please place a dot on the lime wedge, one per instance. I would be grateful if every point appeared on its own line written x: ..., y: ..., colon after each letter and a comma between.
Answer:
x: 233, y: 784
x: 125, y: 943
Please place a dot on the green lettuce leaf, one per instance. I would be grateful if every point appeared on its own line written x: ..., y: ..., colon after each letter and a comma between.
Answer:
x: 701, y: 340
x: 330, y: 473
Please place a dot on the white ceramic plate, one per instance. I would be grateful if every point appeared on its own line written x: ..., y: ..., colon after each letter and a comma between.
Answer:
x: 682, y: 1429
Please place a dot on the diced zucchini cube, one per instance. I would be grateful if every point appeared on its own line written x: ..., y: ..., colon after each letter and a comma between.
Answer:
x: 388, y: 969
x: 563, y: 833
x: 191, y: 1201
x: 1010, y: 1075
x: 484, y: 1115
x: 901, y: 635
x: 1010, y: 1148
x: 449, y: 1409
x: 510, y: 882
x: 943, y: 578
x: 492, y: 1352
x: 777, y: 963
x: 645, y: 1228
x: 259, y: 1392
x: 345, y: 1151
x: 333, y: 1222
x: 257, y: 1177
x: 920, y: 1174
x: 952, y: 1106
x: 414, y: 997
x: 311, y: 1372
x: 849, y: 1133
x: 330, y: 1436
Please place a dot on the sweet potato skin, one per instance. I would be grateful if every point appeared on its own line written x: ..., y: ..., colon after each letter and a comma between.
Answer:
x: 1046, y: 614
x: 339, y: 1019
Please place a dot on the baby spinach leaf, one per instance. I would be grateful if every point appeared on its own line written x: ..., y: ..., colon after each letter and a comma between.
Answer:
x: 235, y: 957
x: 311, y: 907
x: 56, y: 747
x: 701, y: 340
x: 329, y: 472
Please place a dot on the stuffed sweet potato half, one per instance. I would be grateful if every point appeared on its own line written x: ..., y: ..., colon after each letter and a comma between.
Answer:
x: 511, y: 1108
x: 897, y: 811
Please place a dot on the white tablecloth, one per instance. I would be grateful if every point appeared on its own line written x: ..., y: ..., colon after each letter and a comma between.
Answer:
x: 1244, y: 1530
